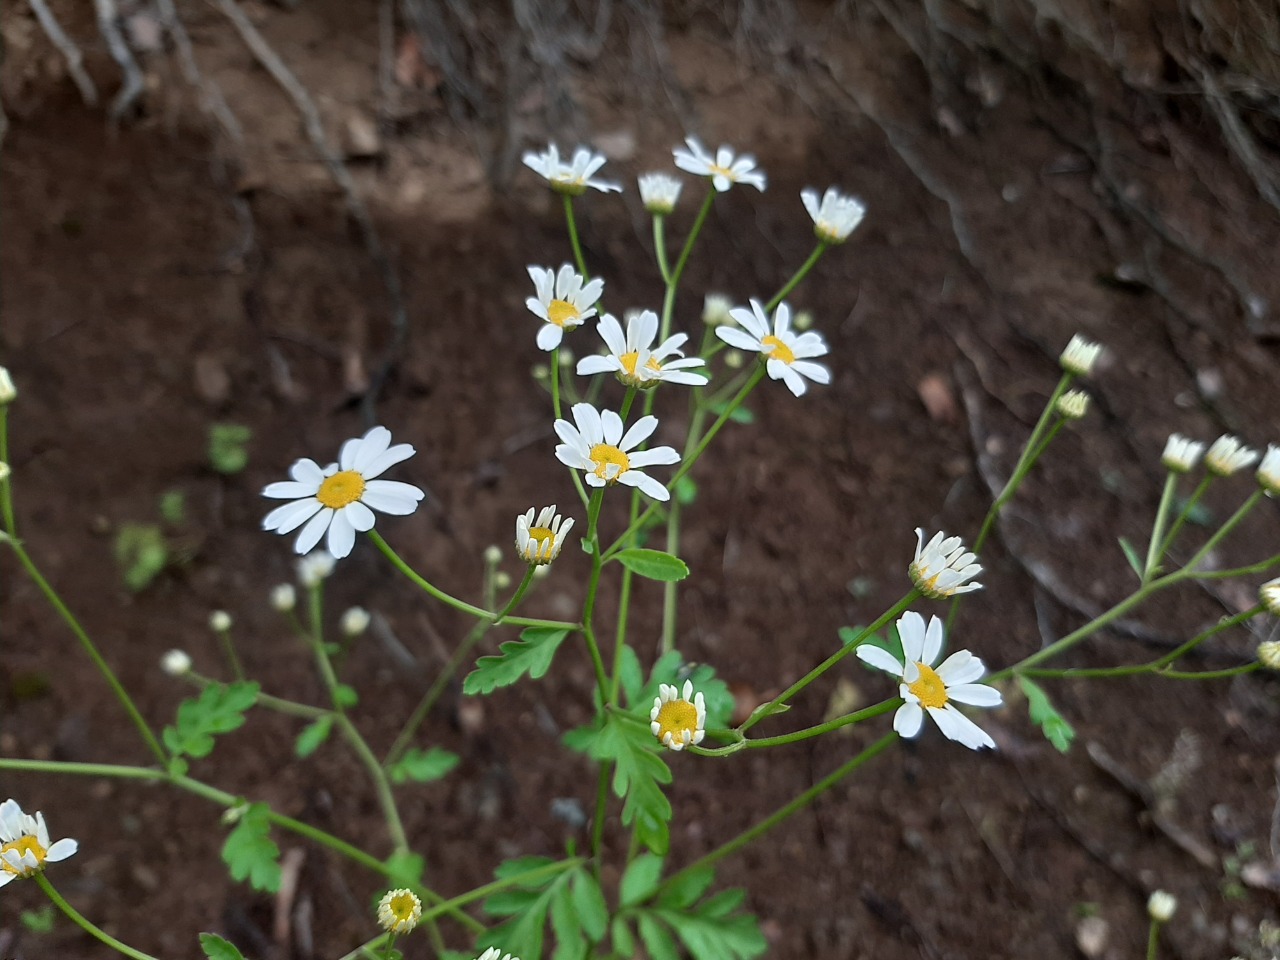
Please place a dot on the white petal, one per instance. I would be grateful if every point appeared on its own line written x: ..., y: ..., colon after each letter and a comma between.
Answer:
x: 688, y: 379
x: 657, y: 455
x: 6, y: 876
x: 961, y: 667
x: 610, y: 427
x: 290, y: 489
x: 290, y: 516
x: 611, y: 333
x: 879, y: 658
x: 752, y: 319
x: 307, y: 471
x: 372, y: 445
x: 737, y: 338
x: 590, y: 425
x: 61, y: 850
x: 908, y: 719
x: 960, y: 728
x: 911, y: 632
x: 549, y: 336
x: 814, y: 371
x: 640, y: 431
x: 795, y: 383
x: 975, y: 694
x: 808, y: 345
x: 810, y: 200
x: 382, y: 463
x: 391, y: 496
x: 342, y: 536
x: 359, y: 516
x: 597, y: 364
x: 932, y: 642
x: 646, y: 484
x: 313, y: 531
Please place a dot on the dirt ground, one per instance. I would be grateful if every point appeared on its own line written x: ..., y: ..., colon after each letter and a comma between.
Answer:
x: 1018, y: 192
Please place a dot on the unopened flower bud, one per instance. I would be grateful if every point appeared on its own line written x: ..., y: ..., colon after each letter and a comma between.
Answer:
x: 659, y: 192
x: 542, y: 572
x: 1269, y: 596
x: 355, y: 621
x: 1072, y: 405
x: 1269, y: 471
x: 8, y: 392
x: 1269, y: 654
x: 803, y: 320
x: 1227, y: 455
x: 566, y: 357
x: 176, y: 663
x: 1080, y: 356
x: 314, y: 567
x: 501, y: 580
x: 715, y: 310
x: 492, y: 554
x: 283, y: 597
x: 1181, y: 454
x: 1161, y: 906
x: 733, y: 359
x: 219, y: 621
x: 540, y: 371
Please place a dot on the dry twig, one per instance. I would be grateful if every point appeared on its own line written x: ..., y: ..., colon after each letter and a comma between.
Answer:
x: 132, y: 87
x: 70, y: 52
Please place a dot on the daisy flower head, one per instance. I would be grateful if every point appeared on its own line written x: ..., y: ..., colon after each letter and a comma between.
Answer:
x: 340, y: 498
x: 24, y: 843
x: 598, y: 446
x: 942, y: 567
x: 1072, y: 405
x: 493, y: 953
x: 1269, y: 596
x: 635, y: 361
x: 929, y: 688
x: 724, y: 168
x: 399, y: 911
x: 1080, y: 355
x: 678, y: 718
x: 1269, y: 471
x: 570, y: 178
x: 1180, y: 454
x: 565, y: 299
x: 8, y: 392
x: 1269, y: 654
x: 1227, y: 455
x: 539, y: 540
x: 835, y: 216
x: 659, y: 192
x: 786, y: 353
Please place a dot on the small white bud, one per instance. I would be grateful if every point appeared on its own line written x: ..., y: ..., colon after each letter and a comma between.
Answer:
x: 283, y: 597
x: 1227, y: 455
x: 715, y: 310
x: 176, y: 663
x: 659, y: 192
x: 1180, y: 454
x: 1269, y: 654
x: 501, y: 580
x: 1161, y: 906
x: 355, y: 621
x: 8, y: 392
x: 566, y: 357
x: 802, y: 320
x: 734, y: 359
x: 219, y: 621
x: 540, y: 371
x: 493, y: 554
x: 400, y: 910
x: 1073, y: 405
x: 1269, y: 596
x: 4, y: 471
x: 1080, y: 356
x: 314, y: 567
x: 541, y: 572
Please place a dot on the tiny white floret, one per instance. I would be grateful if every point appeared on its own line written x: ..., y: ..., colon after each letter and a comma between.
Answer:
x: 715, y: 310
x: 355, y: 621
x: 283, y: 597
x: 570, y: 177
x: 1269, y: 596
x: 1080, y: 355
x: 659, y: 192
x: 315, y: 567
x: 219, y: 621
x: 176, y: 663
x: 1072, y: 405
x: 399, y: 911
x: 564, y: 300
x: 1161, y: 906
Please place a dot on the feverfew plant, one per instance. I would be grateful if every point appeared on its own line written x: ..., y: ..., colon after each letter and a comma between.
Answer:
x: 611, y: 897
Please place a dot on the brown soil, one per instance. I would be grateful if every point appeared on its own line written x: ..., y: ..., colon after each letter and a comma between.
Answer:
x: 1007, y: 212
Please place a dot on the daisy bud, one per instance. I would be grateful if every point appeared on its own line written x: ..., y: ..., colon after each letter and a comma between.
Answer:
x: 4, y: 471
x: 566, y: 356
x: 176, y: 663
x: 1227, y: 455
x: 399, y: 911
x: 734, y: 359
x: 1269, y: 596
x: 1072, y: 405
x: 569, y: 177
x: 355, y: 621
x: 1269, y: 654
x: 659, y: 193
x: 803, y: 320
x: 541, y: 535
x: 283, y: 597
x: 1161, y: 906
x: 219, y: 621
x: 540, y: 371
x: 542, y: 572
x: 1269, y: 470
x: 501, y: 580
x: 1181, y: 454
x: 314, y: 567
x: 8, y: 392
x: 715, y: 310
x: 943, y: 567
x: 1080, y: 356
x: 493, y: 554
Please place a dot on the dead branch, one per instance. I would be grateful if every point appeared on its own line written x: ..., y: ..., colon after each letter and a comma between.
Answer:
x: 70, y: 52
x: 211, y: 100
x: 133, y: 86
x: 314, y: 129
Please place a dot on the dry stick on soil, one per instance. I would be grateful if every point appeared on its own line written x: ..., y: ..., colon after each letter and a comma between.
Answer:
x: 314, y: 129
x: 109, y: 27
x: 70, y: 52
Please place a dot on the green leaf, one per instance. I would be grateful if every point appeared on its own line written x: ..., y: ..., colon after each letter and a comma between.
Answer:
x: 658, y: 942
x: 313, y: 735
x: 589, y: 901
x: 1131, y: 555
x: 1052, y: 724
x: 570, y: 943
x: 220, y: 708
x: 250, y: 853
x: 710, y: 935
x: 624, y: 942
x: 39, y: 920
x: 229, y: 447
x: 630, y: 673
x: 405, y: 868
x: 531, y: 654
x: 527, y: 905
x: 640, y: 880
x: 638, y: 776
x: 141, y: 553
x: 422, y: 766
x: 173, y: 507
x: 653, y: 564
x: 344, y: 695
x: 740, y: 415
x: 685, y: 889
x: 215, y: 948
x: 685, y: 490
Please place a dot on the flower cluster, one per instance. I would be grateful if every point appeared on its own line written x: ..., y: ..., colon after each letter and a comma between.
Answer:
x: 1225, y: 456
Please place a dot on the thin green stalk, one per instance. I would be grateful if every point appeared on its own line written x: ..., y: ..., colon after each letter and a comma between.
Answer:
x: 6, y: 486
x: 573, y: 237
x: 1262, y: 566
x: 1232, y: 522
x: 593, y: 585
x: 1210, y: 674
x: 807, y: 733
x: 799, y: 803
x: 229, y: 648
x: 1157, y: 528
x: 799, y: 275
x: 1185, y: 513
x: 1153, y: 939
x: 526, y: 879
x: 381, y: 785
x: 280, y: 705
x: 830, y: 662
x: 602, y: 806
x: 660, y: 247
x: 79, y: 920
x: 555, y: 404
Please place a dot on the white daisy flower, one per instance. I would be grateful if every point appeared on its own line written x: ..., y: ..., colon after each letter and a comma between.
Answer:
x: 598, y: 446
x: 399, y: 911
x: 659, y: 192
x: 338, y: 497
x: 1269, y: 596
x: 1269, y: 654
x: 220, y: 621
x: 942, y: 567
x: 1227, y: 455
x: 678, y: 719
x: 1072, y: 405
x: 539, y: 541
x: 1080, y: 355
x: 564, y: 301
x: 786, y: 353
x: 1269, y: 470
x: 24, y: 843
x: 928, y: 688
x: 633, y: 358
x: 493, y: 953
x: 570, y: 178
x: 315, y: 567
x: 723, y: 169
x: 1180, y: 454
x: 835, y: 216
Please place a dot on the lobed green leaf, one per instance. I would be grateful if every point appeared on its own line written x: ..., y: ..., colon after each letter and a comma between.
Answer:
x: 313, y: 735
x: 423, y: 766
x: 1044, y: 715
x: 531, y: 654
x: 220, y: 708
x: 215, y: 948
x: 250, y: 853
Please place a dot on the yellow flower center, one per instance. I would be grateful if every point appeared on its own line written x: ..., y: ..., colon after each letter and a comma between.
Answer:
x: 677, y: 717
x: 722, y: 171
x: 403, y: 906
x: 610, y: 462
x: 561, y: 312
x: 341, y: 489
x: 930, y: 689
x: 541, y: 542
x: 22, y: 846
x: 780, y: 350
x: 629, y: 361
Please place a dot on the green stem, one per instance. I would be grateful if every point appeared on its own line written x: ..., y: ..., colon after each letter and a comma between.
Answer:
x: 381, y: 785
x: 79, y: 920
x: 593, y: 585
x: 1153, y: 939
x: 799, y: 803
x: 761, y: 712
x: 1210, y: 674
x: 1232, y: 522
x: 280, y: 705
x: 1157, y: 529
x: 799, y: 275
x: 1185, y: 513
x: 602, y: 807
x: 229, y: 648
x: 809, y: 732
x: 660, y: 247
x: 573, y: 237
x: 526, y: 879
x: 6, y: 486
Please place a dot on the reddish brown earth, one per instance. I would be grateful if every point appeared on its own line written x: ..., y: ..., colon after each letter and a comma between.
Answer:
x: 1005, y: 209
